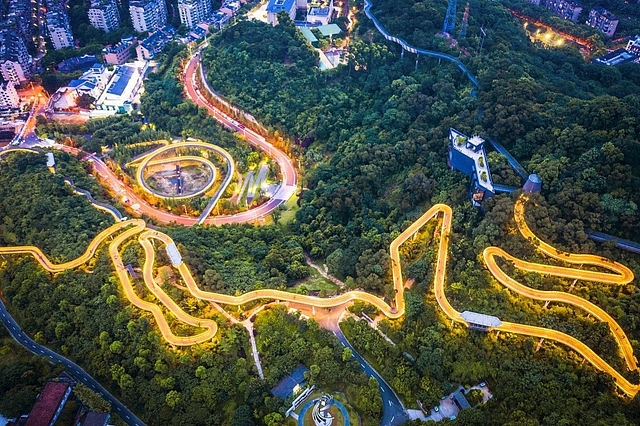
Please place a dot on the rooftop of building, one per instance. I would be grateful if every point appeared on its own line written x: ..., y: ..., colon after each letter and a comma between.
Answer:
x: 123, y: 84
x: 473, y: 148
x: 118, y: 47
x: 57, y: 18
x: 77, y: 63
x: 159, y: 38
x: 617, y: 57
x: 285, y: 387
x: 460, y: 400
x: 120, y: 80
x: 96, y: 419
x: 329, y: 30
x: 276, y: 6
x: 306, y: 32
x: 44, y: 410
x: 481, y: 319
x: 318, y: 3
x: 74, y: 84
x: 319, y: 11
x: 604, y: 12
x: 96, y: 4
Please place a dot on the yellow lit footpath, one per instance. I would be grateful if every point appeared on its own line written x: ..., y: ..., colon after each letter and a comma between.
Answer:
x: 130, y: 228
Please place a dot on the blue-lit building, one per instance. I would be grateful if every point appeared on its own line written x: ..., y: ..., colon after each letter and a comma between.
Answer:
x: 468, y: 156
x: 276, y: 6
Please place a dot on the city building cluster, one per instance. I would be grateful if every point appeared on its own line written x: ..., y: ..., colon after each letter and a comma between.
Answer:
x: 20, y: 17
x: 316, y: 12
x: 570, y: 10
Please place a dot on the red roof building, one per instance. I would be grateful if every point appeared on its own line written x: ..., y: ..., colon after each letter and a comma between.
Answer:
x: 50, y: 403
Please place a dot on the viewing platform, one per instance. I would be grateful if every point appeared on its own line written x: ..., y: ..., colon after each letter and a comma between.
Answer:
x: 468, y: 156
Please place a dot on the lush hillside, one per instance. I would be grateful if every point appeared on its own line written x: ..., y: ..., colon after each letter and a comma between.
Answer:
x: 379, y: 129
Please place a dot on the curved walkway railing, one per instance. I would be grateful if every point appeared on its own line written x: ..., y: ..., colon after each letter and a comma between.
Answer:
x: 628, y: 245
x: 97, y: 204
x: 620, y: 275
x: 406, y: 46
x: 510, y: 158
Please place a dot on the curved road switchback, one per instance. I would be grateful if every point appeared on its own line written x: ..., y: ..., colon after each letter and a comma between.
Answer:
x: 19, y: 336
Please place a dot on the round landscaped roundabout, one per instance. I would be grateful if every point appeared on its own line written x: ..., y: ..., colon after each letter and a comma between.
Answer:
x: 323, y: 411
x: 182, y: 170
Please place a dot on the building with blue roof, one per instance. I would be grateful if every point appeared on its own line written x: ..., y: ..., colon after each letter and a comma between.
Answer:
x: 92, y: 83
x: 77, y: 63
x: 276, y: 6
x: 152, y: 45
x: 122, y: 90
x: 291, y: 384
x: 617, y: 57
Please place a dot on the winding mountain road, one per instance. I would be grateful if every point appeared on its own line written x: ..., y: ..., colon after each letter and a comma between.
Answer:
x: 19, y: 336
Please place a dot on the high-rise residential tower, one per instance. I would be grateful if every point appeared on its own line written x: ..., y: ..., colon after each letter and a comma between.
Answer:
x: 192, y: 12
x: 148, y: 15
x: 104, y: 15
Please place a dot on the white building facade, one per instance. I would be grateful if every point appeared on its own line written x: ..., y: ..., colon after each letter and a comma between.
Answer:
x: 8, y: 95
x: 104, y: 15
x: 148, y: 15
x: 59, y: 30
x: 192, y: 12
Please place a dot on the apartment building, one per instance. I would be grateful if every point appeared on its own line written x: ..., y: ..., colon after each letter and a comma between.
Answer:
x: 104, y: 15
x: 192, y: 12
x: 8, y: 95
x: 119, y: 53
x: 15, y: 61
x: 603, y: 20
x: 59, y: 29
x: 148, y: 15
x: 566, y: 9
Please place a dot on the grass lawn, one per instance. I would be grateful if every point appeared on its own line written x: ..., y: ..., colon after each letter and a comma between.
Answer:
x: 291, y: 209
x: 316, y: 282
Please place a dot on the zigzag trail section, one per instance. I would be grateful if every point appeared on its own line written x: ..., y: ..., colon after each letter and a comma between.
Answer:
x: 442, y: 212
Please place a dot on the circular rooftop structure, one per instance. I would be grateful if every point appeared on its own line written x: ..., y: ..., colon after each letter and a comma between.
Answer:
x: 533, y: 184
